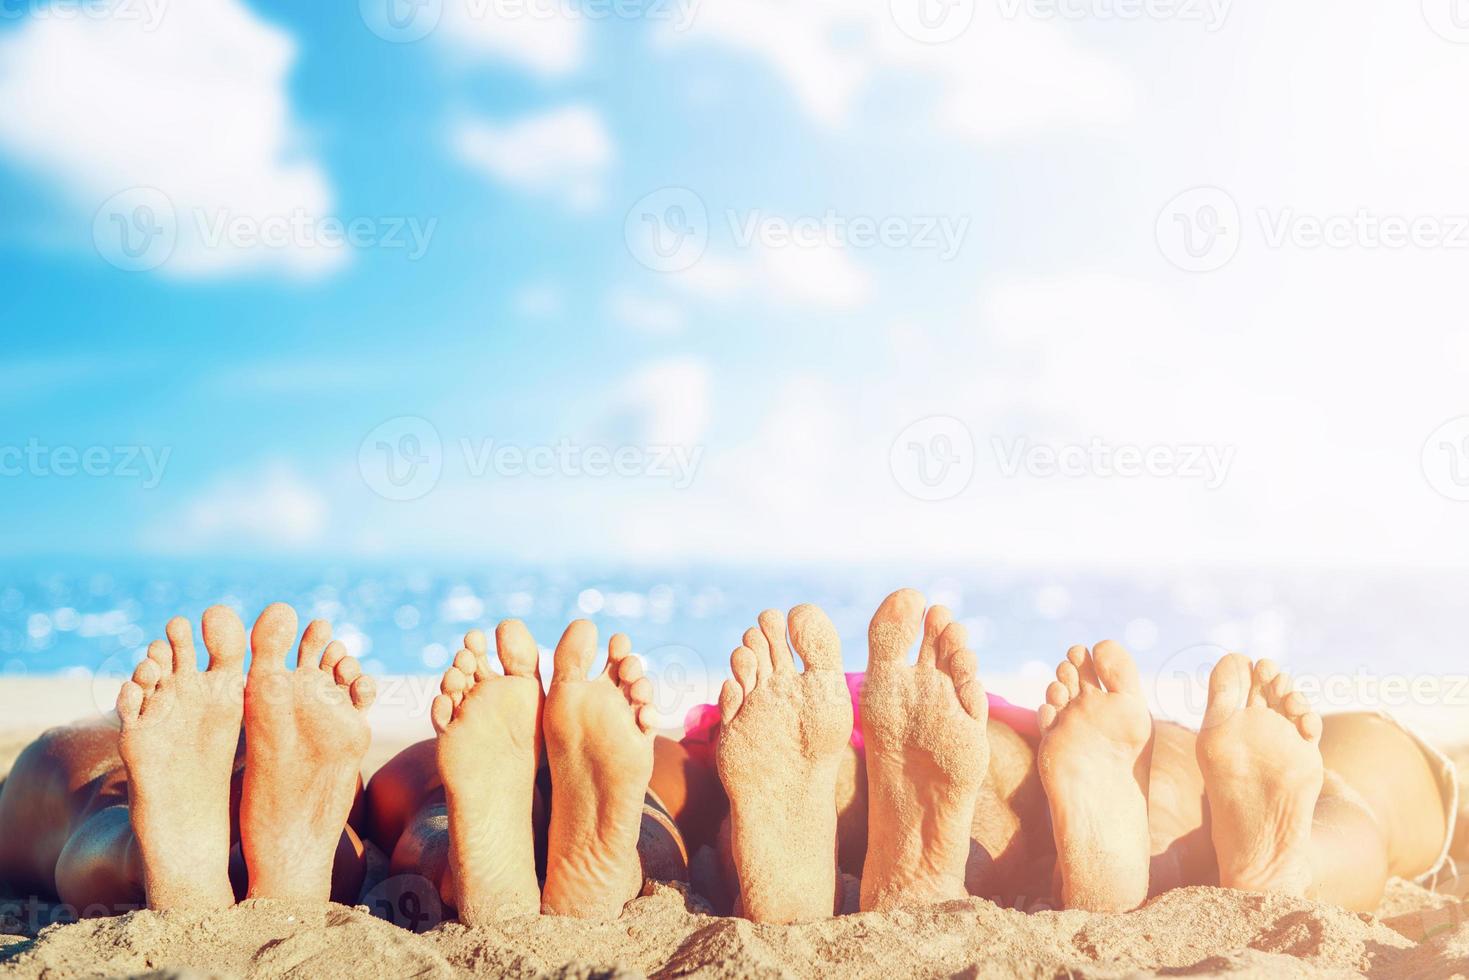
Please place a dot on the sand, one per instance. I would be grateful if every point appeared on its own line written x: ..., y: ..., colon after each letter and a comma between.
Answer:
x: 670, y: 932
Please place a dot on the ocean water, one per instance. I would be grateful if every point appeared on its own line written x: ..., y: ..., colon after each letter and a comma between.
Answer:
x: 95, y: 618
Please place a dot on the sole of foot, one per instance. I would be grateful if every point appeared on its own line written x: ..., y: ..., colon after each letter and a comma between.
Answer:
x: 1095, y: 753
x: 923, y: 726
x: 599, y: 746
x: 305, y: 734
x: 782, y: 735
x: 1259, y: 750
x: 180, y: 730
x: 489, y: 746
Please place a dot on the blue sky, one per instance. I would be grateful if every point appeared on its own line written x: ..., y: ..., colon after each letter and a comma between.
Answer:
x: 1317, y: 377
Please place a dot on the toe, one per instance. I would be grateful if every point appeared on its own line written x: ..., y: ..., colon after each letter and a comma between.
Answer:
x: 894, y: 627
x: 815, y: 638
x: 1229, y: 684
x: 475, y: 643
x: 468, y: 666
x: 129, y: 703
x: 1058, y: 695
x: 746, y: 672
x: 159, y: 651
x: 363, y: 691
x: 1264, y: 675
x: 224, y: 638
x: 348, y: 670
x: 756, y: 643
x: 154, y: 667
x: 1115, y: 667
x: 731, y: 696
x: 1309, y: 725
x: 441, y: 712
x: 639, y: 692
x: 453, y: 685
x: 575, y: 652
x: 1278, y: 690
x: 318, y: 634
x: 1086, y: 670
x: 773, y: 625
x: 1067, y: 674
x: 1045, y: 716
x: 629, y: 669
x: 517, y: 649
x: 934, y: 624
x: 332, y: 655
x: 181, y: 639
x: 271, y: 638
x: 619, y: 647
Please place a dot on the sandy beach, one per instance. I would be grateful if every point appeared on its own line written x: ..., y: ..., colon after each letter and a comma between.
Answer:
x: 669, y: 931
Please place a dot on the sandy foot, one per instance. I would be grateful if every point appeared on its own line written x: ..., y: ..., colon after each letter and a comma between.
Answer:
x: 927, y: 755
x: 180, y: 729
x: 782, y: 736
x: 1096, y: 747
x: 599, y: 744
x: 1260, y: 755
x: 489, y: 745
x: 305, y: 733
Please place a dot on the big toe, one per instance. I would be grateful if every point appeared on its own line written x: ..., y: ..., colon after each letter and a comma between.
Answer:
x: 517, y: 649
x: 575, y: 652
x: 224, y: 638
x: 1229, y: 684
x: 815, y: 638
x: 894, y: 627
x: 272, y: 636
x: 1115, y: 667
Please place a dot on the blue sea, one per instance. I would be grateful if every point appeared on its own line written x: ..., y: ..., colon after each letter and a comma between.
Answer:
x: 97, y: 617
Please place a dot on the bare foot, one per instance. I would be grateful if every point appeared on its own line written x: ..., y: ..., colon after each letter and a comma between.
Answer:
x: 180, y: 729
x: 927, y: 755
x: 489, y: 746
x: 781, y: 739
x: 1096, y: 747
x: 599, y: 744
x: 1260, y: 754
x: 305, y: 733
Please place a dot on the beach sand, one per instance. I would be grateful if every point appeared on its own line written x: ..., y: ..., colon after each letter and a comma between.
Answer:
x: 670, y: 932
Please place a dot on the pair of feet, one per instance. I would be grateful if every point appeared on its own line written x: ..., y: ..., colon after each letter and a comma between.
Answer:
x: 781, y: 740
x: 305, y: 734
x: 596, y: 735
x: 1258, y: 751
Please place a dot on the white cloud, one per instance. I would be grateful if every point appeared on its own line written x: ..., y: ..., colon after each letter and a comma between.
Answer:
x: 820, y: 276
x: 1001, y: 78
x: 271, y: 509
x: 538, y: 300
x: 670, y: 399
x: 195, y: 107
x: 645, y: 314
x: 547, y: 37
x: 563, y: 153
